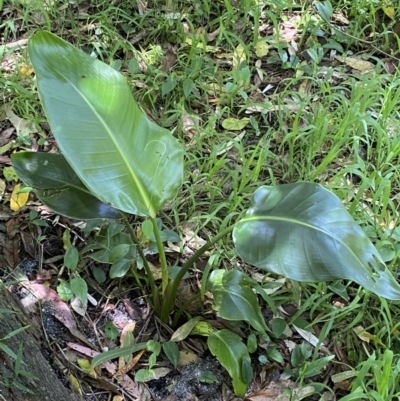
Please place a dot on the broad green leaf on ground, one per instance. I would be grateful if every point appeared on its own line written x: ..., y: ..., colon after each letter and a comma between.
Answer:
x: 239, y: 56
x: 182, y: 332
x: 116, y: 353
x: 171, y: 350
x: 79, y: 288
x: 120, y: 268
x: 262, y: 48
x: 10, y: 174
x: 233, y: 355
x: 58, y: 187
x: 235, y: 124
x: 119, y: 154
x: 234, y: 299
x: 303, y: 231
x: 324, y: 9
x: 71, y: 258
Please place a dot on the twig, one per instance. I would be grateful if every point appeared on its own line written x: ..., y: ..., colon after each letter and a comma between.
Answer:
x: 362, y: 41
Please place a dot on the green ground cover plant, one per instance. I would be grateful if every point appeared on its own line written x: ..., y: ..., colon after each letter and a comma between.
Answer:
x: 322, y: 122
x: 115, y: 162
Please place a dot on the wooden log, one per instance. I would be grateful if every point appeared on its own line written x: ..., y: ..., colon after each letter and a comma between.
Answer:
x: 48, y: 387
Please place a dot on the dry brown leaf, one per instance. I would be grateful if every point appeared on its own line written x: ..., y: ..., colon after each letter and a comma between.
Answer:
x: 186, y: 357
x: 11, y: 244
x: 78, y: 306
x: 361, y: 334
x: 155, y: 270
x: 5, y: 135
x: 57, y: 307
x: 126, y: 382
x: 125, y: 369
x: 170, y: 57
x: 135, y: 312
x: 356, y: 63
x: 142, y: 6
x: 212, y: 35
x: 23, y: 127
x: 190, y: 124
x: 129, y: 328
x: 305, y: 86
x: 272, y: 391
x: 192, y: 240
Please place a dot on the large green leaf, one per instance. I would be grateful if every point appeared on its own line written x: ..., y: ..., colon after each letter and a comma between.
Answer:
x: 120, y: 155
x: 234, y: 299
x: 303, y: 231
x: 58, y: 187
x: 233, y: 355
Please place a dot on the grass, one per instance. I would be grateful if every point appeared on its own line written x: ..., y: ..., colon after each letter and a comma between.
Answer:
x: 309, y: 118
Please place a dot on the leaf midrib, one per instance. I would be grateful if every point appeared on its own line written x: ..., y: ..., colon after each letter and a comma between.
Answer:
x: 301, y: 223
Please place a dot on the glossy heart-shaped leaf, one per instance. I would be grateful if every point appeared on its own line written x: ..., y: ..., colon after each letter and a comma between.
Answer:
x: 119, y: 154
x: 303, y: 231
x: 58, y: 187
x: 233, y: 355
x: 234, y: 299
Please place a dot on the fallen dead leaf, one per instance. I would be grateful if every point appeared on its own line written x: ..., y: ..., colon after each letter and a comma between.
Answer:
x: 190, y: 124
x: 85, y: 365
x: 58, y: 308
x: 356, y: 63
x: 26, y: 70
x: 388, y: 9
x: 309, y: 337
x: 192, y: 240
x: 212, y: 35
x: 75, y: 383
x: 23, y: 127
x: 10, y: 251
x: 366, y: 336
x: 224, y: 147
x: 272, y: 391
x: 129, y: 328
x: 5, y: 135
x: 78, y: 306
x: 239, y: 56
x: 10, y: 243
x: 2, y: 188
x: 275, y: 391
x: 125, y: 369
x: 262, y: 48
x: 126, y: 382
x: 18, y: 199
x: 186, y: 357
x: 170, y: 57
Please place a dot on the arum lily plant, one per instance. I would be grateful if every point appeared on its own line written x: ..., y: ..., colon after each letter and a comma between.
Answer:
x: 115, y: 162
